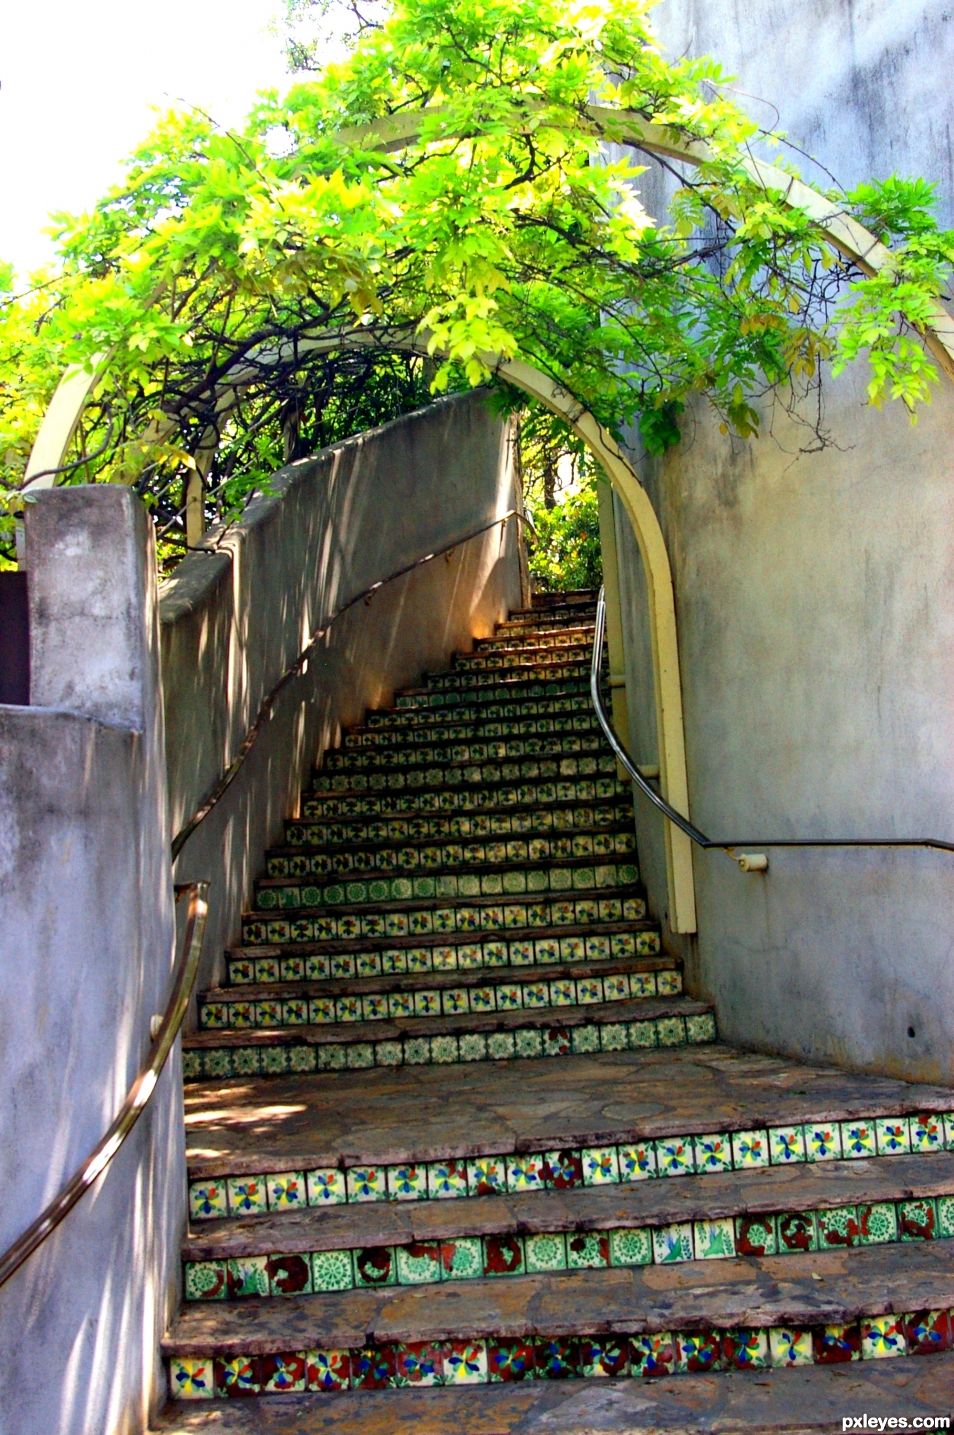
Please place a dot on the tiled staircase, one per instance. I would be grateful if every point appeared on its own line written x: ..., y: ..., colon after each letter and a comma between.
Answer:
x: 434, y: 1114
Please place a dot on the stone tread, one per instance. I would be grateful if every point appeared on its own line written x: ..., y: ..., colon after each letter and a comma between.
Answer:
x: 411, y: 981
x: 640, y: 1009
x: 795, y: 1290
x: 531, y: 1105
x: 809, y: 1400
x: 593, y: 1208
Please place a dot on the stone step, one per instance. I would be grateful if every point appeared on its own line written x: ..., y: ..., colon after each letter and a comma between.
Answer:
x: 515, y: 658
x: 583, y: 875
x: 405, y: 736
x: 597, y: 1226
x: 408, y: 734
x: 491, y: 691
x: 448, y: 1040
x: 480, y: 914
x: 475, y: 675
x: 419, y: 855
x: 370, y: 758
x: 518, y: 821
x: 424, y: 775
x: 759, y: 1113
x: 572, y: 708
x: 467, y: 797
x: 569, y: 635
x: 815, y: 1307
x: 360, y: 957
x: 435, y: 994
x: 802, y: 1400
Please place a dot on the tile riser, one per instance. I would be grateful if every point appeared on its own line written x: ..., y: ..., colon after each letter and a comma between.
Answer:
x: 448, y: 857
x: 544, y: 1037
x: 460, y: 922
x: 453, y: 1258
x: 461, y: 800
x: 577, y: 878
x: 631, y: 1159
x: 482, y: 1362
x: 510, y: 995
x: 469, y: 956
x: 602, y: 815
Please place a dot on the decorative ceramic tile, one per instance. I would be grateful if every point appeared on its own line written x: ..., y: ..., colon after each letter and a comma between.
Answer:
x: 600, y: 1165
x: 465, y: 1363
x: 945, y: 1216
x: 882, y: 1337
x: 789, y: 1347
x: 407, y: 1182
x: 367, y: 1183
x: 652, y: 1355
x: 675, y: 1157
x: 756, y: 1235
x: 797, y: 1231
x: 629, y: 1247
x: 208, y: 1200
x: 205, y: 1280
x: 892, y: 1135
x: 698, y: 1351
x: 745, y: 1350
x: 927, y: 1132
x: 858, y: 1139
x: 637, y: 1161
x: 822, y: 1141
x: 713, y: 1153
x: 713, y: 1239
x: 247, y: 1196
x: 786, y: 1145
x: 917, y: 1220
x: 192, y: 1379
x: 838, y: 1226
x: 332, y: 1271
x: 287, y: 1191
x: 289, y: 1275
x: 928, y: 1332
x: 510, y: 1360
x: 447, y: 1179
x: 247, y: 1276
x: 236, y: 1376
x: 672, y: 1243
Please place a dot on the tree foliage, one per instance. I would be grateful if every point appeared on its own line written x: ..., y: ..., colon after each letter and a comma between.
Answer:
x: 504, y: 228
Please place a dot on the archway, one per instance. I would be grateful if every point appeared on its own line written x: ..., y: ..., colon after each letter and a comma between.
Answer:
x: 399, y: 131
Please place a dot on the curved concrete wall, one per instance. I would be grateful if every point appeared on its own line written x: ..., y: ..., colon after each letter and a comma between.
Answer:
x: 814, y: 600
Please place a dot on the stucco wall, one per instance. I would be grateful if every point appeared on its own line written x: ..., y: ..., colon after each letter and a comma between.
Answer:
x: 233, y: 622
x: 86, y: 954
x: 814, y: 604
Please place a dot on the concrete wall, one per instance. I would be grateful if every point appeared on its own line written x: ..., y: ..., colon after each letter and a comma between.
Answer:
x: 814, y: 603
x: 86, y: 956
x: 232, y: 623
x: 85, y: 798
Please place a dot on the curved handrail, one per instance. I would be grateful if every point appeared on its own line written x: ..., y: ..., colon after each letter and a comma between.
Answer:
x: 683, y: 823
x: 137, y: 1098
x: 231, y: 772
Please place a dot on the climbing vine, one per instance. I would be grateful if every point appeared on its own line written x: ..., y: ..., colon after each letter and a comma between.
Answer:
x: 502, y: 226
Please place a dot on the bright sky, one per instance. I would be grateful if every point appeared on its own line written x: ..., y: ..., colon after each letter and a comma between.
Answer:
x: 78, y: 78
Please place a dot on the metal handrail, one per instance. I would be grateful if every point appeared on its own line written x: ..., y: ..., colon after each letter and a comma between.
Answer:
x: 137, y: 1098
x: 683, y: 823
x: 231, y: 772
